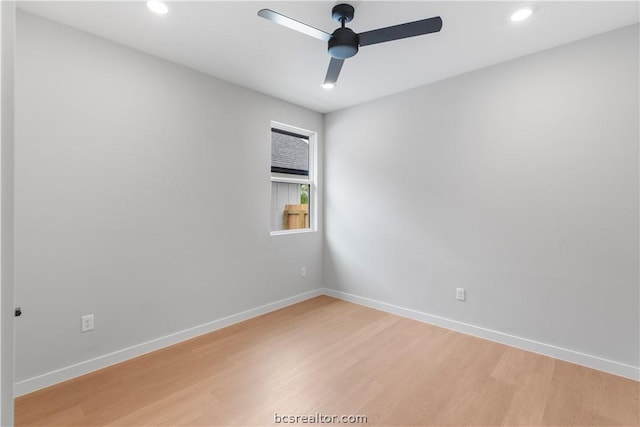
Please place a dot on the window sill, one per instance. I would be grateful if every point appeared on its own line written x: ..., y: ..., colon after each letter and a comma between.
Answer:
x: 285, y: 232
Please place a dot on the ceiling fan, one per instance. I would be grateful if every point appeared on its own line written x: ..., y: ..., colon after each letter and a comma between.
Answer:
x: 344, y: 42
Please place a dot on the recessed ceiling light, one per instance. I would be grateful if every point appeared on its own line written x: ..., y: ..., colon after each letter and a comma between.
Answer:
x: 521, y: 15
x: 158, y: 7
x: 328, y: 86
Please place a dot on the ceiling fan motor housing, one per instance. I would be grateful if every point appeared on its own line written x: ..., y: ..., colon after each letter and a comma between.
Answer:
x: 343, y: 43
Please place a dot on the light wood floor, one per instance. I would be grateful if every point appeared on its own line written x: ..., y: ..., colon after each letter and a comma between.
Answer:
x: 332, y: 357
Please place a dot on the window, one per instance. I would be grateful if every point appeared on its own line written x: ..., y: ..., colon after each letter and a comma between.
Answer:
x: 292, y: 179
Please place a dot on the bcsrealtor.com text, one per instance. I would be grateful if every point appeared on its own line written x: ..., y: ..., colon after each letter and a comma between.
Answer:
x: 319, y: 418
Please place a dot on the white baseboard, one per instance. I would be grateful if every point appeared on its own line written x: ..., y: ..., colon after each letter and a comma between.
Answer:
x: 590, y: 361
x: 50, y: 378
x: 82, y: 368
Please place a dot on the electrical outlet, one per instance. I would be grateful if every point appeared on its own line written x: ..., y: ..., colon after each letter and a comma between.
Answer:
x: 303, y: 272
x: 460, y: 294
x: 87, y: 323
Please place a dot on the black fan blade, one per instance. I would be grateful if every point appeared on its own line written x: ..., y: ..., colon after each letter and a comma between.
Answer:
x: 334, y: 70
x: 401, y: 31
x: 293, y: 24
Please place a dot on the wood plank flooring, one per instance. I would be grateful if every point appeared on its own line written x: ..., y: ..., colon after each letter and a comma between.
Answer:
x: 335, y: 358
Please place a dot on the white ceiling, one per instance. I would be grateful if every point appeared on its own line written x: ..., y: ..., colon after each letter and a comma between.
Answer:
x: 228, y: 40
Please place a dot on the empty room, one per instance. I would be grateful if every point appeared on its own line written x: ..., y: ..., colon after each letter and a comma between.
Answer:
x: 368, y: 213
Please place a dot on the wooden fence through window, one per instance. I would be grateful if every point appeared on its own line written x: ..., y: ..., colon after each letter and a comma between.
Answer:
x: 296, y: 217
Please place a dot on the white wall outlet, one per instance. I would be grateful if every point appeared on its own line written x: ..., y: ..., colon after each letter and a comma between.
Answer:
x: 87, y: 323
x: 460, y: 294
x: 303, y: 272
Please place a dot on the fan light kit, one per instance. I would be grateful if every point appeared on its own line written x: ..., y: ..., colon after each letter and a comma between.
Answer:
x: 158, y: 7
x: 344, y: 43
x: 521, y: 15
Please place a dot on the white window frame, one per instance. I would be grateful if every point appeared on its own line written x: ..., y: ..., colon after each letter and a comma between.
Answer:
x: 293, y: 179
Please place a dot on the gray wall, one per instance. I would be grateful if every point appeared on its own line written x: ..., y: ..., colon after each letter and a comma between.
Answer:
x: 518, y: 182
x: 7, y: 63
x: 142, y: 196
